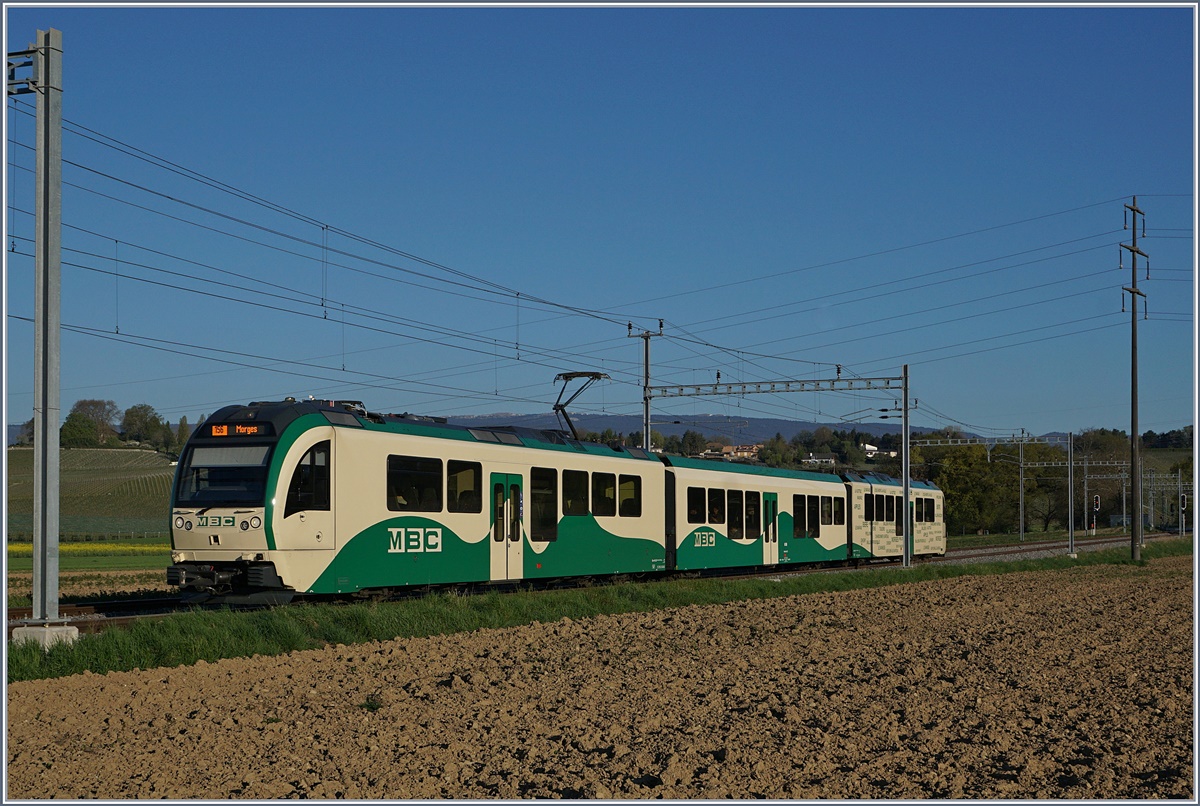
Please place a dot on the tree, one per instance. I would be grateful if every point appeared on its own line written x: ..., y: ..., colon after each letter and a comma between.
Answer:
x: 776, y: 452
x: 182, y: 433
x: 103, y: 413
x: 980, y: 494
x: 141, y: 423
x: 25, y: 435
x: 79, y: 431
x: 693, y: 443
x: 802, y: 443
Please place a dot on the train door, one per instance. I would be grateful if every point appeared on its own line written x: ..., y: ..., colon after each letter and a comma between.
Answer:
x: 508, y: 512
x: 770, y: 528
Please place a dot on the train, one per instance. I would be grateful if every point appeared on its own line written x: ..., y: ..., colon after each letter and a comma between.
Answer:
x: 274, y: 500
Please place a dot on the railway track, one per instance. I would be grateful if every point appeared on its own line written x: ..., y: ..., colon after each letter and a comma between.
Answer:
x: 99, y: 616
x: 1035, y: 549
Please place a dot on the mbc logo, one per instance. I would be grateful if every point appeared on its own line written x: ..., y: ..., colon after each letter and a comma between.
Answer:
x: 415, y: 541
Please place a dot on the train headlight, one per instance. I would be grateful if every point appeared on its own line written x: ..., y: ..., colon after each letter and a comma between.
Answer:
x: 179, y: 523
x: 255, y: 522
x: 245, y: 526
x: 187, y: 525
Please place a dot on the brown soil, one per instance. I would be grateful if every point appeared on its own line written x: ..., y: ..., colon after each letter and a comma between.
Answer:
x: 100, y: 583
x: 1070, y: 684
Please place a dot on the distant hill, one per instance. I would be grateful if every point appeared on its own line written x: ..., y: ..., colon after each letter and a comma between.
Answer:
x: 104, y: 491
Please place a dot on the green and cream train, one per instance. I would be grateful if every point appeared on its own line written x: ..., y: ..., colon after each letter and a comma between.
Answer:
x: 276, y: 499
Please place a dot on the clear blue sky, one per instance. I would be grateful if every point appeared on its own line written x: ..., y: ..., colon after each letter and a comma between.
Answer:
x: 458, y: 204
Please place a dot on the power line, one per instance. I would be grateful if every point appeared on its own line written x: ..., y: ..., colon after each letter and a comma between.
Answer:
x: 879, y: 253
x: 444, y: 332
x: 483, y: 283
x: 231, y: 357
x: 890, y: 294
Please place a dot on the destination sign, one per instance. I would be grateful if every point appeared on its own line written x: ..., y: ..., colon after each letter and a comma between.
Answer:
x: 240, y: 430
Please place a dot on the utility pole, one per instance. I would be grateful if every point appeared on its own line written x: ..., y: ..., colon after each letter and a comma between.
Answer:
x: 45, y: 57
x: 1135, y: 437
x: 1021, y: 485
x: 646, y: 336
x: 1071, y: 495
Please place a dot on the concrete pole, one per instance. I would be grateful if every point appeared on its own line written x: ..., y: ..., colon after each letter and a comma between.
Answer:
x: 907, y: 473
x: 1021, y: 483
x: 1071, y: 495
x: 47, y: 293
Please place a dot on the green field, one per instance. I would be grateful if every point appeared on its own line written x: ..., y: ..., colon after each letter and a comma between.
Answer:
x: 105, y: 494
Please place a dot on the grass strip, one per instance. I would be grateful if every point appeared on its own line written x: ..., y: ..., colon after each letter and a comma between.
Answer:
x: 185, y: 638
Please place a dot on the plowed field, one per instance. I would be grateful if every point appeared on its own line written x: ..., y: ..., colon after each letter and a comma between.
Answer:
x: 1068, y: 684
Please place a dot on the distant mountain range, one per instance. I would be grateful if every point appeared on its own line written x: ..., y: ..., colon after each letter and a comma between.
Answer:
x: 742, y: 430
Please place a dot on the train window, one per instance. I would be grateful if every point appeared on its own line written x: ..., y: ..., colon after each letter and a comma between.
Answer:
x: 736, y: 528
x: 716, y: 506
x: 930, y: 514
x: 695, y: 504
x: 919, y: 510
x: 839, y: 511
x: 575, y: 492
x: 309, y: 488
x: 498, y: 513
x: 464, y: 486
x: 868, y: 507
x: 890, y: 504
x: 226, y: 475
x: 629, y: 497
x: 753, y: 516
x: 604, y: 494
x: 814, y: 516
x: 826, y: 510
x: 543, y: 497
x: 414, y: 484
x: 799, y: 522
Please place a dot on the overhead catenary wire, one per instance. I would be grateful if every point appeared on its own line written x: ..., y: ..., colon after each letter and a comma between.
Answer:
x: 740, y: 354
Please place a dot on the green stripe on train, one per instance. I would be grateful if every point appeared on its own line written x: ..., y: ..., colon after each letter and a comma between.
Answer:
x: 583, y: 547
x: 404, y: 551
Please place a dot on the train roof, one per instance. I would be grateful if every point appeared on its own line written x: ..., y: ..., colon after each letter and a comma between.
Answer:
x: 884, y: 480
x: 750, y: 470
x: 354, y: 415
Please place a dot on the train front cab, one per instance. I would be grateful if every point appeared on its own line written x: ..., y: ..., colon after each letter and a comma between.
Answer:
x: 252, y: 515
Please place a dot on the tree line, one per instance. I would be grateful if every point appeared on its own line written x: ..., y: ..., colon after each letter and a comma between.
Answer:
x: 102, y: 424
x: 981, y: 483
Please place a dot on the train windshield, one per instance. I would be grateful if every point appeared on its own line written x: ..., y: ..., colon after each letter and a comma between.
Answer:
x: 223, y: 475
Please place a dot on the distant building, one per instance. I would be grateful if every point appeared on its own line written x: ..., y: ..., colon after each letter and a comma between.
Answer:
x: 730, y: 453
x: 873, y: 452
x: 819, y: 459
